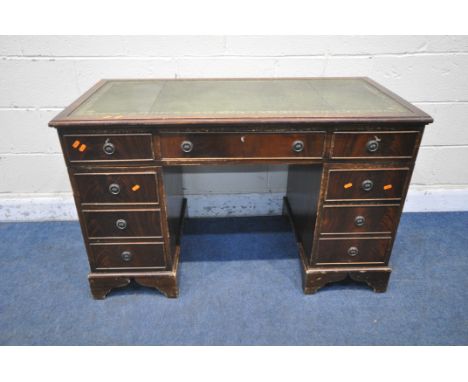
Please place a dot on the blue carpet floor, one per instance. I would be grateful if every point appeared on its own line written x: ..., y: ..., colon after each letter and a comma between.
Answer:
x: 240, y: 284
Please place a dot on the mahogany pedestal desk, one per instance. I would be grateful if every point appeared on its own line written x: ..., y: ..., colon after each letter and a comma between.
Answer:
x: 350, y: 146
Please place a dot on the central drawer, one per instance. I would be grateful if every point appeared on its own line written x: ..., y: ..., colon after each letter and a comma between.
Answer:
x: 122, y: 223
x: 238, y: 145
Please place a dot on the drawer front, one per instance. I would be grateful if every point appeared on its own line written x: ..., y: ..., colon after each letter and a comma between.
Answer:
x: 352, y: 184
x: 352, y: 251
x: 128, y: 255
x: 249, y: 145
x: 103, y: 148
x: 374, y: 145
x: 122, y: 223
x: 118, y: 187
x: 359, y: 219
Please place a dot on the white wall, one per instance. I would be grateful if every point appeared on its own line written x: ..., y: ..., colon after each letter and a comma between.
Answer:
x: 41, y: 75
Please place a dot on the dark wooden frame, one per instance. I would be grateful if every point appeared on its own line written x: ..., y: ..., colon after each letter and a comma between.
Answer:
x: 303, y: 203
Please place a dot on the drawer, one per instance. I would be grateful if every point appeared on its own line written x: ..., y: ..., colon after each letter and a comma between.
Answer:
x: 366, y: 184
x: 352, y: 250
x: 122, y: 223
x: 342, y: 219
x: 128, y: 255
x: 248, y: 145
x: 103, y: 148
x: 374, y: 145
x: 117, y: 187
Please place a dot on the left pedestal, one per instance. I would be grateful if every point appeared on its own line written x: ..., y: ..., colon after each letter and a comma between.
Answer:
x: 130, y: 207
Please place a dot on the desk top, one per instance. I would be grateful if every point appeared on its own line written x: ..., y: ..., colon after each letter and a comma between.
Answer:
x: 120, y: 102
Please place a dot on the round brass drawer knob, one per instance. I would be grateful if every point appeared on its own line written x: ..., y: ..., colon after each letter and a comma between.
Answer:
x: 359, y: 221
x: 353, y: 251
x: 298, y: 146
x: 108, y: 148
x: 367, y: 185
x: 126, y: 256
x: 372, y: 146
x: 186, y: 146
x: 114, y: 189
x: 121, y: 223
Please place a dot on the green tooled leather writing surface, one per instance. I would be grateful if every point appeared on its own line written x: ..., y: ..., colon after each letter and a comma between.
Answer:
x: 243, y: 98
